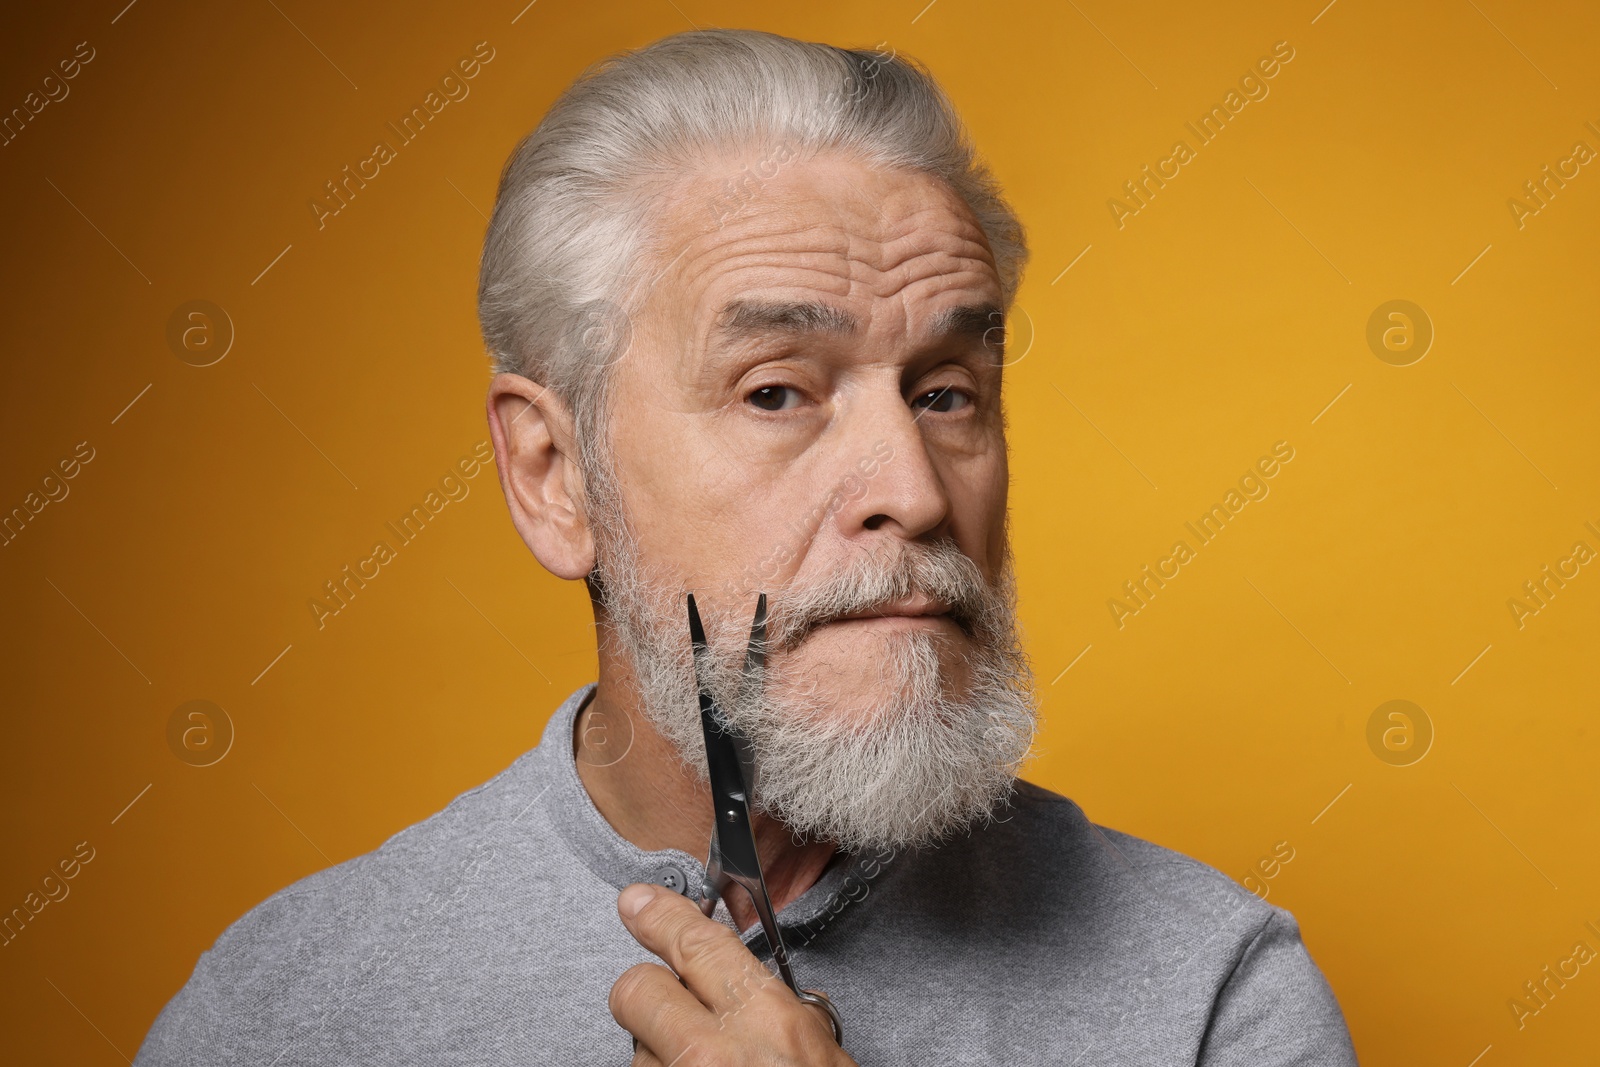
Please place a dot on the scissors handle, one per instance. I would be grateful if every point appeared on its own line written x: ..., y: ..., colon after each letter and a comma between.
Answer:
x: 715, y: 888
x: 820, y: 999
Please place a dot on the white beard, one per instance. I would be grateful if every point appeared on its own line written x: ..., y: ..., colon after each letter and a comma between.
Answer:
x: 925, y: 764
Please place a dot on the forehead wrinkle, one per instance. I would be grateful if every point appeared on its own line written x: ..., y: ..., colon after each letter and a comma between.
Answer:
x: 820, y: 244
x: 941, y: 255
x: 782, y: 316
x: 755, y: 250
x: 910, y: 225
x: 947, y: 259
x: 884, y: 247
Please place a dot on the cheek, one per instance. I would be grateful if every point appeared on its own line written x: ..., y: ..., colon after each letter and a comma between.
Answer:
x: 702, y: 518
x: 979, y: 488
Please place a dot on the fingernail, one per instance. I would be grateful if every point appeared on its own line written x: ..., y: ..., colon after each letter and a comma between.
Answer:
x: 634, y: 898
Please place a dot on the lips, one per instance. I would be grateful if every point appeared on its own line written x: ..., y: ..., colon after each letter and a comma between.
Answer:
x: 906, y: 607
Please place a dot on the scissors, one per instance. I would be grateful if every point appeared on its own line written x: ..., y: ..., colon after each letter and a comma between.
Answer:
x: 729, y: 759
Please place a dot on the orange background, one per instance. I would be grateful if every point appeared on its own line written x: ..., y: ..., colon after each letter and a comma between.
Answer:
x: 1226, y: 315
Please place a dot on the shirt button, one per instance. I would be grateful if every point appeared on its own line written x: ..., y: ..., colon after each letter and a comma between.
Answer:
x: 670, y: 877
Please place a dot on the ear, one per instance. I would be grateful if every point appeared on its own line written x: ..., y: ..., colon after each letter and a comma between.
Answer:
x: 534, y: 448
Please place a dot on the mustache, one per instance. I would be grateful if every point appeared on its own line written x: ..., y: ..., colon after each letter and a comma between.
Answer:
x: 939, y: 570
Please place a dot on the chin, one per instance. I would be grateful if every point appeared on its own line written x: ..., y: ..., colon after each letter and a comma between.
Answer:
x: 887, y: 733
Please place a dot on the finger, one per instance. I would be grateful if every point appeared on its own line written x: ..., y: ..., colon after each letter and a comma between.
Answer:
x: 650, y: 1003
x: 707, y: 955
x: 643, y: 1057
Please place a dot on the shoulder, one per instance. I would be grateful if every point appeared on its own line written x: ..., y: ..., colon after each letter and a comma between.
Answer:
x: 457, y: 841
x: 337, y: 932
x: 1044, y: 878
x: 1164, y: 920
x: 1120, y: 871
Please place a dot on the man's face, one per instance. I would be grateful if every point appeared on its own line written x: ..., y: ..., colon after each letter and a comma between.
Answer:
x: 810, y: 407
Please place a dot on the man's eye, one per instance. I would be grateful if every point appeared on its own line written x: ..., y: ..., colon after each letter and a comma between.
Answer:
x: 774, y: 397
x: 946, y: 399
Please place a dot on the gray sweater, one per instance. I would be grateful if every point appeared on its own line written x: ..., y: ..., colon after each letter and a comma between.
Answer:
x: 488, y: 935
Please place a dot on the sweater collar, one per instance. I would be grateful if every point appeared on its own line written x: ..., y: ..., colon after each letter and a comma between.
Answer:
x: 619, y: 862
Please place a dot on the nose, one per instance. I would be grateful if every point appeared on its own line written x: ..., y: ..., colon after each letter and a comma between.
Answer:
x: 904, y: 493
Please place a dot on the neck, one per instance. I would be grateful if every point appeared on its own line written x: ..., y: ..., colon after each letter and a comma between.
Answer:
x: 636, y: 780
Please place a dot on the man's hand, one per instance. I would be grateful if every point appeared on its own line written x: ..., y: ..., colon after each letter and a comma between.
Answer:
x: 718, y: 1004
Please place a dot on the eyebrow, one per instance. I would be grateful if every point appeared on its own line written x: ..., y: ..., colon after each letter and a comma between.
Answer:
x: 757, y: 318
x: 971, y: 322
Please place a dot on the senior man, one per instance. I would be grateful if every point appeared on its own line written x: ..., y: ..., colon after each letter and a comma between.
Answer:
x: 746, y: 297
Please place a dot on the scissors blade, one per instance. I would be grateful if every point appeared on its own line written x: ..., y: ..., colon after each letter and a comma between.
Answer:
x: 697, y: 636
x: 733, y: 856
x: 719, y: 724
x: 755, y: 656
x: 732, y: 837
x: 716, y: 880
x: 755, y: 662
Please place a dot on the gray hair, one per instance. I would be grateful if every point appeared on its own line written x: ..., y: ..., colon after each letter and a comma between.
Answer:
x: 563, y: 261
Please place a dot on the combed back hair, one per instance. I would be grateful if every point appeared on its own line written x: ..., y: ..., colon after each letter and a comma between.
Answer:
x: 568, y: 255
